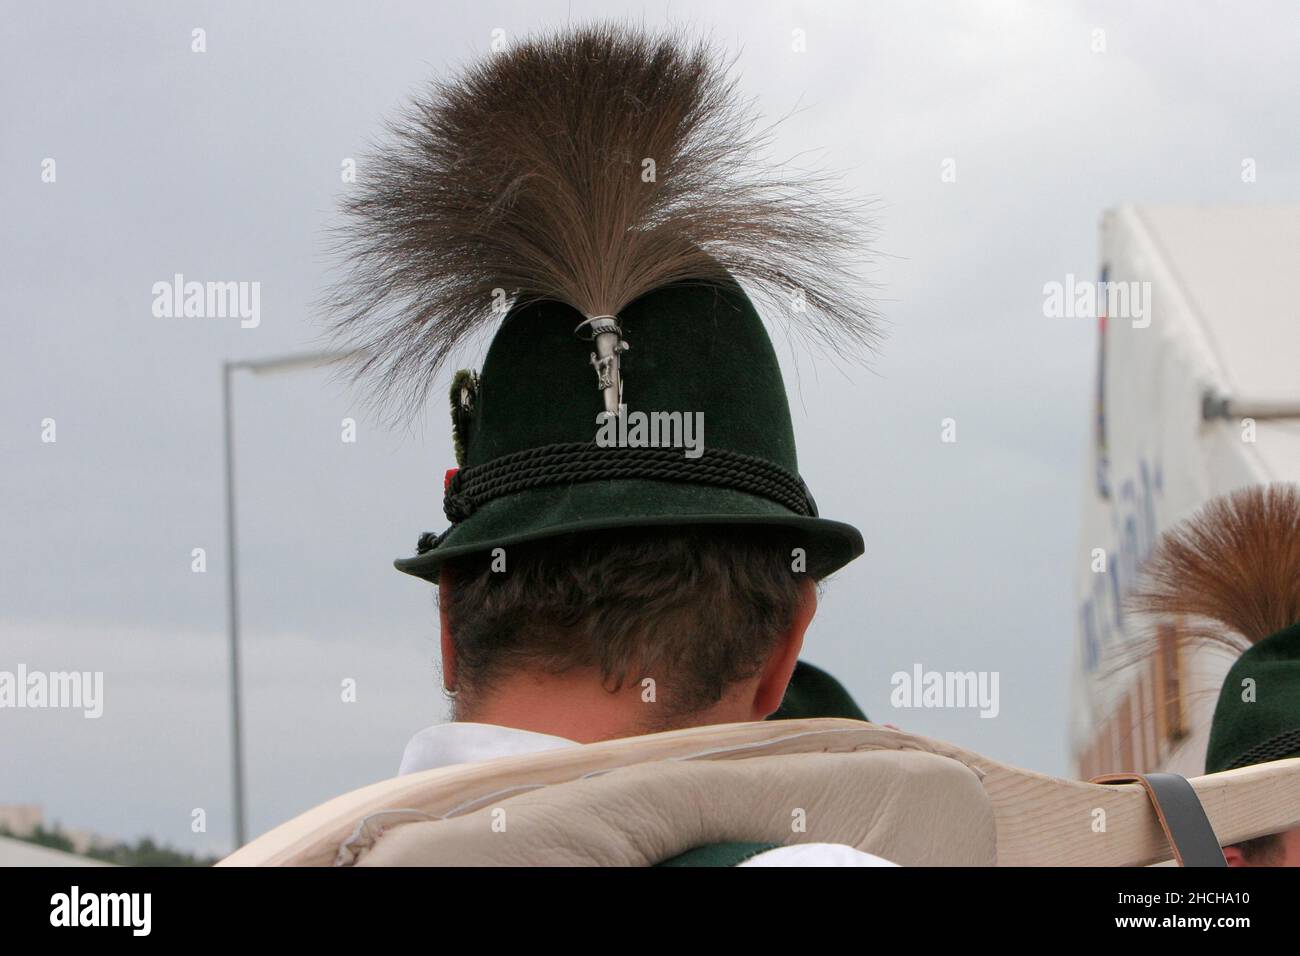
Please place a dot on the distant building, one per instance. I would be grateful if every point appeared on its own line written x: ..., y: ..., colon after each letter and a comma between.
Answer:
x: 21, y: 819
x: 24, y: 819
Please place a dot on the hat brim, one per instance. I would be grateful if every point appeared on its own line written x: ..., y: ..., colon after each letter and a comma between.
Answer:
x: 540, y: 513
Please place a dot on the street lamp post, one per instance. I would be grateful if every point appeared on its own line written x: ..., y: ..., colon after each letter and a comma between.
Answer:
x: 257, y: 367
x: 232, y: 608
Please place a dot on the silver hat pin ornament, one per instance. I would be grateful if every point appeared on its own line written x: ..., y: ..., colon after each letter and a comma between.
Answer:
x: 605, y: 332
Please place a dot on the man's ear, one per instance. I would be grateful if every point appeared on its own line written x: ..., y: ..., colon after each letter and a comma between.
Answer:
x: 776, y: 673
x: 444, y: 633
x: 1234, y: 856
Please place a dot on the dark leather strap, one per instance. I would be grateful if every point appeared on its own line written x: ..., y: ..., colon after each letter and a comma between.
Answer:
x: 1181, y: 816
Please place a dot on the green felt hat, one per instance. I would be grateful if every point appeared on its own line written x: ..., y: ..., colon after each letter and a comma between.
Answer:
x: 526, y: 427
x: 608, y: 189
x: 814, y: 693
x: 1257, y: 718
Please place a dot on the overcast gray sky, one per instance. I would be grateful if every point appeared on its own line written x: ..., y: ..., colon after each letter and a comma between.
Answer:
x: 225, y: 165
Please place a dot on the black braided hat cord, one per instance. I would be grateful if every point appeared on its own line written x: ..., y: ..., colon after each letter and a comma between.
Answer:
x: 570, y: 463
x: 1285, y: 744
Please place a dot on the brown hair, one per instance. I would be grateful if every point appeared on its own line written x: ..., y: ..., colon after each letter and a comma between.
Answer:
x: 1262, y: 851
x: 696, y: 609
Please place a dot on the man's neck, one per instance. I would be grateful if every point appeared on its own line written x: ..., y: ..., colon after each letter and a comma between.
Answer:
x: 576, y: 706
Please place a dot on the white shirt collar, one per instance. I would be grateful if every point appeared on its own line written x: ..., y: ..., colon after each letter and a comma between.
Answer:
x: 445, y: 745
